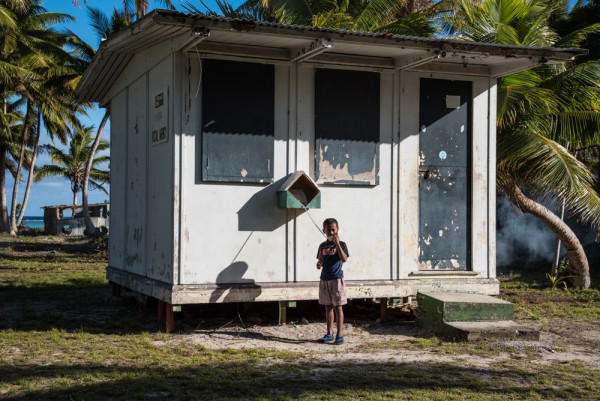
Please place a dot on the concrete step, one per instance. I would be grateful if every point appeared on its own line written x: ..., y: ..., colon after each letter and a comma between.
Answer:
x: 496, y: 330
x: 462, y: 307
x: 464, y: 316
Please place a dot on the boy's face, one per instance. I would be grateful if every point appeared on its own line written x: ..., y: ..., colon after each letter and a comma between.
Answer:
x: 330, y: 230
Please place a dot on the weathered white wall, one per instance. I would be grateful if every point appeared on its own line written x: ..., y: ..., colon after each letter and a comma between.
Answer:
x: 480, y: 202
x: 363, y: 212
x: 491, y: 201
x: 230, y: 232
x: 235, y: 232
x: 162, y: 188
x: 142, y: 190
x: 137, y: 132
x: 118, y: 178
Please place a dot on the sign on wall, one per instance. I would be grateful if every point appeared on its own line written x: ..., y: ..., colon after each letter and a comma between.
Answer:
x: 159, y: 130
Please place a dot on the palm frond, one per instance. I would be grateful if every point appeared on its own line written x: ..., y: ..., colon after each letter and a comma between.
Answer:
x: 11, y: 167
x: 166, y: 3
x: 416, y: 24
x: 7, y: 19
x: 549, y: 171
x: 11, y: 73
x: 507, y: 21
x: 579, y: 128
x: 333, y: 19
x: 49, y: 170
x: 97, y: 185
x: 578, y: 37
x: 376, y: 14
x: 577, y: 86
x: 517, y: 103
x: 99, y: 22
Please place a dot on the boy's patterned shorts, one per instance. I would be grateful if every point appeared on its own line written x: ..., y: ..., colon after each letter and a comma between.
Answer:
x: 332, y: 292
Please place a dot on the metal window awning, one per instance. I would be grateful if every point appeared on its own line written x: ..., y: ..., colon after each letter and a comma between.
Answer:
x: 291, y: 43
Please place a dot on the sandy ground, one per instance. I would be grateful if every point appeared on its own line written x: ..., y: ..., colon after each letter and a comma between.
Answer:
x: 376, y: 342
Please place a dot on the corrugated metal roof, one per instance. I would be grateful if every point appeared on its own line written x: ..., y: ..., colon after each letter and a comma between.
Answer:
x: 246, y: 24
x: 161, y: 25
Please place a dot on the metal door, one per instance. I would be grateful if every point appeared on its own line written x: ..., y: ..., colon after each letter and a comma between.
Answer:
x: 444, y: 192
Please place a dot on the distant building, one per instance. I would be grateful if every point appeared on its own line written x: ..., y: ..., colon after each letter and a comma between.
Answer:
x: 56, y: 224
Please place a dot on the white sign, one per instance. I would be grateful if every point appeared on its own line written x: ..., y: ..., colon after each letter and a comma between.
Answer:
x: 159, y: 125
x: 452, y: 102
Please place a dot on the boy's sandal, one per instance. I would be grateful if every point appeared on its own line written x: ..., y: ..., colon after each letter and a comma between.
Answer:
x: 339, y: 340
x: 325, y: 338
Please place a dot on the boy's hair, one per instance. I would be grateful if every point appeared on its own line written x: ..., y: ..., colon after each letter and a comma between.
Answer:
x: 330, y: 221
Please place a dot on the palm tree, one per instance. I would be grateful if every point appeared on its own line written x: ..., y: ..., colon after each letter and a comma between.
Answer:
x: 10, y: 130
x: 141, y: 7
x: 409, y: 17
x: 71, y: 164
x: 54, y: 104
x: 104, y: 28
x: 583, y: 14
x: 32, y: 54
x: 541, y: 113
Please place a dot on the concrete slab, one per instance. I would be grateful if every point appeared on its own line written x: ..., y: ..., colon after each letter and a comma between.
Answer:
x: 499, y: 330
x: 464, y: 297
x: 437, y: 308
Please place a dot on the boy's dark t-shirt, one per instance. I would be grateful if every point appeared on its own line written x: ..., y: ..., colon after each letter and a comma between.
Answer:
x: 332, y: 264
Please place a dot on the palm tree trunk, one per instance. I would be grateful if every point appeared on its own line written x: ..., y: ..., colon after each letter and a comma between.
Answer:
x: 31, y: 169
x: 89, y: 226
x: 3, y: 207
x: 12, y: 229
x: 578, y: 263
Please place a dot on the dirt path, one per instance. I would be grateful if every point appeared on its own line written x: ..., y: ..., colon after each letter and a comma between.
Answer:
x: 393, y: 343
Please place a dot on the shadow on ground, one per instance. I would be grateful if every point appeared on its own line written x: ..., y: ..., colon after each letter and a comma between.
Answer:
x: 232, y: 380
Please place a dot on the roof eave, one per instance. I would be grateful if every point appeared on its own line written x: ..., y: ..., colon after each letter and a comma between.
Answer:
x: 122, y: 42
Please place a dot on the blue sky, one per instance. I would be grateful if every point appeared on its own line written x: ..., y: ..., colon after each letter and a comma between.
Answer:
x: 56, y: 191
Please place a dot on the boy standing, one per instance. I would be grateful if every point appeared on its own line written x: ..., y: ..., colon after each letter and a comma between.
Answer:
x: 332, y: 291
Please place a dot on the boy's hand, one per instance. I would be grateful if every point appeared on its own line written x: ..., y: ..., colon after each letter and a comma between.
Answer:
x: 319, y: 265
x: 336, y: 238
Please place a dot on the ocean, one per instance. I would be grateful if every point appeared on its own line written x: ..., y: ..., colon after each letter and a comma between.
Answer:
x: 33, y: 221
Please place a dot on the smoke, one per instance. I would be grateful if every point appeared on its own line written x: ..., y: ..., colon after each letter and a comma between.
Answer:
x: 521, y: 237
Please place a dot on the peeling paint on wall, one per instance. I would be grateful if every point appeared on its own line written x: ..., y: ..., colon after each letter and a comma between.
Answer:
x: 348, y: 162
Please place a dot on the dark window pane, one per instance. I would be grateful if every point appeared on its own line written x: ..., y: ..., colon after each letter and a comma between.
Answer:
x: 347, y: 126
x: 238, y: 121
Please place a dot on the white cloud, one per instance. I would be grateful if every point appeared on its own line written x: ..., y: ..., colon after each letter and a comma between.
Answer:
x: 51, y: 184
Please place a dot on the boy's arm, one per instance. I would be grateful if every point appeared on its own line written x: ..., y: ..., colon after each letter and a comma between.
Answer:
x: 340, y: 248
x: 320, y: 259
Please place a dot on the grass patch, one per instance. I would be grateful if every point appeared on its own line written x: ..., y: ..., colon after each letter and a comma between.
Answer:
x: 54, y: 276
x: 110, y: 367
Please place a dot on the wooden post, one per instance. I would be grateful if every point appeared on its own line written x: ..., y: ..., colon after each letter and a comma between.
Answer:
x: 170, y: 318
x: 282, y: 312
x: 116, y: 289
x: 161, y: 312
x: 383, y: 309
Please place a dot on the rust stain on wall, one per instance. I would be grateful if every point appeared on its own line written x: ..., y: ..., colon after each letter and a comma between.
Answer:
x: 137, y: 235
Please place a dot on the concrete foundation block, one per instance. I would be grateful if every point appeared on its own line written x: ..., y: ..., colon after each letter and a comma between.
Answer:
x: 470, y: 317
x: 462, y: 307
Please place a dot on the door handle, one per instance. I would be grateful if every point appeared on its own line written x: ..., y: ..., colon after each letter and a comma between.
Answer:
x: 426, y: 173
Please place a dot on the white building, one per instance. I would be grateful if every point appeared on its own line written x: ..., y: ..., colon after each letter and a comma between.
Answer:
x: 209, y: 117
